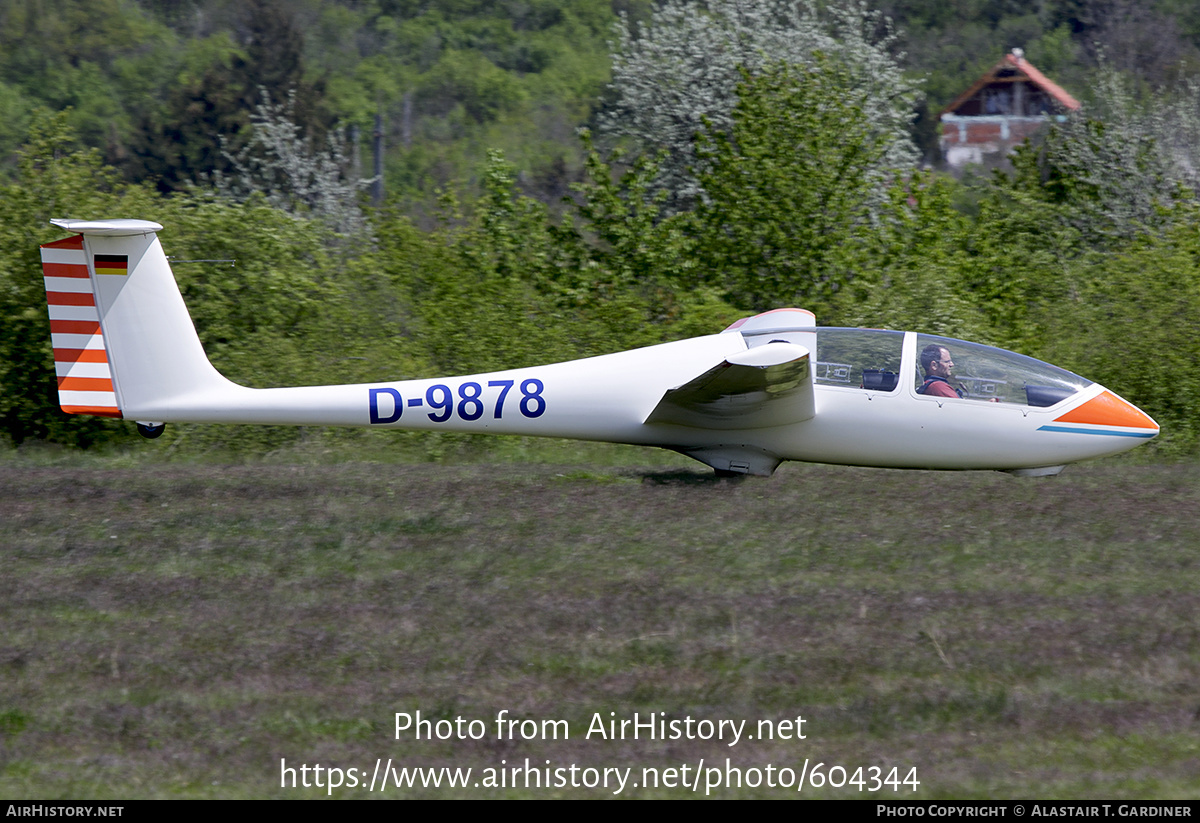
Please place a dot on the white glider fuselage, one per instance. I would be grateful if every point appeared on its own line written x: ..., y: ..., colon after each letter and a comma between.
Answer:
x: 770, y: 388
x: 608, y: 398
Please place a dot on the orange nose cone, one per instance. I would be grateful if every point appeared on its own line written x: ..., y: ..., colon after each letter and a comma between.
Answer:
x: 1106, y: 409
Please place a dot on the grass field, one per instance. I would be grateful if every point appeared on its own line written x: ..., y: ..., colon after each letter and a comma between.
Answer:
x: 176, y: 630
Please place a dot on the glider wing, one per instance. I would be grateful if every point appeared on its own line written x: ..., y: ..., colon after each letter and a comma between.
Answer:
x: 761, y: 387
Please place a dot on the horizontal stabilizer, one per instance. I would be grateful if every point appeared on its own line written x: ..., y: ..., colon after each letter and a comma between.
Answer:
x: 764, y: 386
x: 110, y: 228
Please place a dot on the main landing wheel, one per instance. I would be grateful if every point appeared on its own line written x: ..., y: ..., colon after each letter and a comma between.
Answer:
x: 151, y: 430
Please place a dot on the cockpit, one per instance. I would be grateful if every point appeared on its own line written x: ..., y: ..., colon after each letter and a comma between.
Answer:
x: 986, y: 373
x: 884, y: 361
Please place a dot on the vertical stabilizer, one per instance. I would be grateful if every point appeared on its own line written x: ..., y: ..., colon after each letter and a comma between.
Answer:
x: 124, y: 343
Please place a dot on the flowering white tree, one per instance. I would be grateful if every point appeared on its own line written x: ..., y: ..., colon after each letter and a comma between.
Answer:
x: 1124, y: 159
x: 281, y: 164
x: 678, y: 75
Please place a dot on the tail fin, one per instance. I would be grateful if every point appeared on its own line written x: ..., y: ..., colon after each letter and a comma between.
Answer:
x: 124, y: 344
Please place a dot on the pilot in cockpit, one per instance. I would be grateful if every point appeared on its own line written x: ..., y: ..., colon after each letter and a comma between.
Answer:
x: 938, y: 366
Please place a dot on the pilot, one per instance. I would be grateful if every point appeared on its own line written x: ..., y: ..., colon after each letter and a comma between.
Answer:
x: 936, y: 362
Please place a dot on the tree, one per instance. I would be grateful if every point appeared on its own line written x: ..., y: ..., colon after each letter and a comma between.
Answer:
x: 179, y: 141
x: 921, y: 267
x: 283, y: 165
x: 678, y: 75
x: 208, y: 109
x: 633, y: 268
x: 471, y: 285
x: 1118, y: 167
x: 791, y: 188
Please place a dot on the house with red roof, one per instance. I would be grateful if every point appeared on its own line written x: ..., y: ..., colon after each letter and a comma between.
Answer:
x: 1008, y: 104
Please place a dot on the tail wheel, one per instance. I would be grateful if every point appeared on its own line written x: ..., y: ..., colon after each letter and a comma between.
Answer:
x: 151, y: 430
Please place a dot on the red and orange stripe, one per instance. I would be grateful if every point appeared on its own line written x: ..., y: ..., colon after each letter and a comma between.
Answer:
x: 85, y: 383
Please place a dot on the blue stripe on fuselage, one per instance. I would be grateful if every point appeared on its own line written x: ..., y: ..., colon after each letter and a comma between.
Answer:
x: 1111, y: 432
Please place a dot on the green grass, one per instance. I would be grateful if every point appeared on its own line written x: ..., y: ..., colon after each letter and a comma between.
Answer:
x: 174, y: 630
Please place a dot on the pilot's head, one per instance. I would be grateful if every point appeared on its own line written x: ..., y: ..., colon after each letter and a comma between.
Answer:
x: 936, y: 362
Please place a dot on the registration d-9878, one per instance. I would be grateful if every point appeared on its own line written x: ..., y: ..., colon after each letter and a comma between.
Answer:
x: 470, y: 401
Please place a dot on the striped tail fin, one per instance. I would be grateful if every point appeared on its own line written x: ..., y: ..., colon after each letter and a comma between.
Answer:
x: 81, y: 360
x: 124, y: 344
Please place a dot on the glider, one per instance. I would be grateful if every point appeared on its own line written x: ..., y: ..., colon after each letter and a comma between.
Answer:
x: 769, y: 388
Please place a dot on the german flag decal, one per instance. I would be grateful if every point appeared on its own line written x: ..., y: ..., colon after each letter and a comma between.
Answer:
x: 111, y: 263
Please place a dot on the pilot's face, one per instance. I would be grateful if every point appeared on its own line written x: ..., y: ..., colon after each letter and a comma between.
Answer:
x: 943, y: 366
